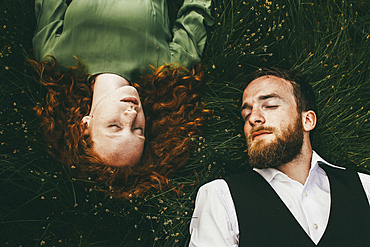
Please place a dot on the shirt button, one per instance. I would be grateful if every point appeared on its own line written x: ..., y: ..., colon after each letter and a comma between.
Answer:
x: 305, y: 194
x: 315, y: 226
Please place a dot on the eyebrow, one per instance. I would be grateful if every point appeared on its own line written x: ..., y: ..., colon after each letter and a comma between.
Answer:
x: 261, y: 98
x: 268, y: 96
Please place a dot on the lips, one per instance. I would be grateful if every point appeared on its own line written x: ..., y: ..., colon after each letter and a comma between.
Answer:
x: 260, y: 133
x: 131, y: 100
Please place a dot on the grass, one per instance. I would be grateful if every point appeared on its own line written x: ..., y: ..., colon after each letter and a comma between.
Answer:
x: 41, y: 204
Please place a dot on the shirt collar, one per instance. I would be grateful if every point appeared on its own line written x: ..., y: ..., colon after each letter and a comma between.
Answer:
x: 315, y: 163
x: 270, y: 173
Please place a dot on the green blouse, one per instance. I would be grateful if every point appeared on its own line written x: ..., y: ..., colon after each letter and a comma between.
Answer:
x: 122, y: 37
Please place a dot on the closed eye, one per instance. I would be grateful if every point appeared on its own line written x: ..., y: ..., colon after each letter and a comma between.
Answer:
x: 139, y: 131
x: 271, y: 106
x: 245, y: 114
x: 114, y: 126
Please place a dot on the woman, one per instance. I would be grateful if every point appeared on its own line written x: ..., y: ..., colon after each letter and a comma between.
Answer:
x: 99, y: 132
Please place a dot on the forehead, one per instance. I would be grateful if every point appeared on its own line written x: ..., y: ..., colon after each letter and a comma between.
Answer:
x: 269, y: 85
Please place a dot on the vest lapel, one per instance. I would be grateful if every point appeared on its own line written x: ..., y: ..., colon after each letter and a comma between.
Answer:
x: 349, y: 220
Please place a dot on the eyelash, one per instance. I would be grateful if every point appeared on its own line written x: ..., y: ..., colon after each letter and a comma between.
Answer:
x: 246, y: 116
x: 268, y: 107
x: 271, y: 106
x: 114, y: 125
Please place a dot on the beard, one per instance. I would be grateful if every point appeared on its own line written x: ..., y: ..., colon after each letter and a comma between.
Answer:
x: 280, y: 151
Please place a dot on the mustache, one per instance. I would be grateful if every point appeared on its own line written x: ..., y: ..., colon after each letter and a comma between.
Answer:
x: 259, y: 128
x: 256, y: 129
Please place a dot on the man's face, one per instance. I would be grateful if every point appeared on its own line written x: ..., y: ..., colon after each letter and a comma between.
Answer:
x: 273, y: 126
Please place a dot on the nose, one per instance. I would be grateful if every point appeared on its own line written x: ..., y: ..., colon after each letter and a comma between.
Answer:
x: 256, y: 117
x: 130, y: 116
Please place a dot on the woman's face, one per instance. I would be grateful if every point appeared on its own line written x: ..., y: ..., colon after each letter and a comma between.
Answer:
x: 116, y: 124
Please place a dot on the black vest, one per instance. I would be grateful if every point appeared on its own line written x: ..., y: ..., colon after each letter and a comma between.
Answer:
x: 264, y: 220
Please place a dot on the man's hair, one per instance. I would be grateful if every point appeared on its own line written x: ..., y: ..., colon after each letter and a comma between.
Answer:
x: 302, y: 90
x: 174, y: 113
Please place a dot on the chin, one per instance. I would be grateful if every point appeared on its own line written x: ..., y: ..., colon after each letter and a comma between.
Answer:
x: 263, y: 140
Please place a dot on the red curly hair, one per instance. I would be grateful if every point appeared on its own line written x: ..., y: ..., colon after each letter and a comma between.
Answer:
x: 174, y: 112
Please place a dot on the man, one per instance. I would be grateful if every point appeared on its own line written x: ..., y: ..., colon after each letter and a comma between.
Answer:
x: 292, y: 197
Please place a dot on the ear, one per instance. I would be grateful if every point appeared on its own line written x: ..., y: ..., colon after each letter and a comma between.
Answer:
x: 85, y: 125
x: 309, y: 120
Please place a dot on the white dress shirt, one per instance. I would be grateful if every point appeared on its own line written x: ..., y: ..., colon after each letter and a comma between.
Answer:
x: 214, y: 222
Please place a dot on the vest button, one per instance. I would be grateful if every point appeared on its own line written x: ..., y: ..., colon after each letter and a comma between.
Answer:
x: 315, y: 226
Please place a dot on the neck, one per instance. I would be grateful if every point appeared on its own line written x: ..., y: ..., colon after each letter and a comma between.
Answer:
x: 299, y: 168
x: 105, y: 84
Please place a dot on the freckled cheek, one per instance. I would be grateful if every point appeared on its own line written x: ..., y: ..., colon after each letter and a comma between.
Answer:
x: 247, y: 129
x: 108, y: 111
x: 100, y: 120
x: 277, y: 120
x: 281, y: 126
